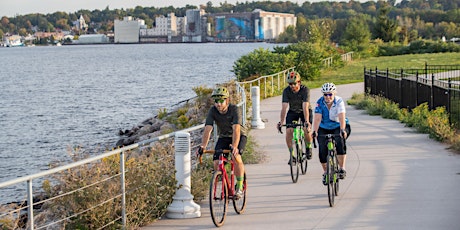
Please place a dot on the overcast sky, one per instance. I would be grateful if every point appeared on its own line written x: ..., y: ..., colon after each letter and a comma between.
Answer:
x: 11, y: 8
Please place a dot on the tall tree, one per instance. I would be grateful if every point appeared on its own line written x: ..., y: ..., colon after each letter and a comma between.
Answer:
x: 357, y: 34
x: 301, y: 27
x: 385, y: 28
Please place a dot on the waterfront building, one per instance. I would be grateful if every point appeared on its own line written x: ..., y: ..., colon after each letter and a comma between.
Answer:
x: 91, y: 39
x: 269, y: 25
x: 127, y: 30
x: 80, y: 24
x: 167, y: 29
x: 195, y: 26
x: 257, y: 25
x: 12, y: 41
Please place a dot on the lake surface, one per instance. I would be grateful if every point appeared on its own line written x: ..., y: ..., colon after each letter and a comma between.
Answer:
x: 56, y: 98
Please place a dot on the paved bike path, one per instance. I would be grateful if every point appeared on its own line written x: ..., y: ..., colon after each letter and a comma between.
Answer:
x: 397, y: 179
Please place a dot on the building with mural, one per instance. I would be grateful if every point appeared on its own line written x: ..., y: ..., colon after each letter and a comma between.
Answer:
x: 198, y: 26
x: 258, y: 25
x: 232, y: 26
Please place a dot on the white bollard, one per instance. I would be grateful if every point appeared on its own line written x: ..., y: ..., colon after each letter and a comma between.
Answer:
x: 183, y: 205
x: 256, y: 122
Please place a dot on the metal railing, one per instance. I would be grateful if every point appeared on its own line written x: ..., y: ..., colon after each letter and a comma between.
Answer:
x: 268, y: 85
x: 436, y: 85
x: 347, y: 57
x: 121, y: 152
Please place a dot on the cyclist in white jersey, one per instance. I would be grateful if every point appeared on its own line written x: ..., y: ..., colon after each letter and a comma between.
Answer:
x: 330, y: 118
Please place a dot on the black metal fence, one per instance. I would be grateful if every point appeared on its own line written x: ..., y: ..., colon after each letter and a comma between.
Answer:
x: 438, y: 85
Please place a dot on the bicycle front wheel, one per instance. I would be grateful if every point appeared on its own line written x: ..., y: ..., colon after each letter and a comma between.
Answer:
x: 240, y: 204
x: 218, y: 199
x: 294, y: 166
x: 300, y: 153
x: 336, y: 176
x: 330, y: 179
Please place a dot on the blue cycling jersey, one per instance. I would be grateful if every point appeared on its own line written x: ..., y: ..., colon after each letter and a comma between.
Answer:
x: 330, y: 118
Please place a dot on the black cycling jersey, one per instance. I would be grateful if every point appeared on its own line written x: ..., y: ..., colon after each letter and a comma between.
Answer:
x: 295, y: 100
x: 225, y: 121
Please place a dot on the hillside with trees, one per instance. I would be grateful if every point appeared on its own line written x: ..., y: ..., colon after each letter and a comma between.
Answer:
x: 390, y: 21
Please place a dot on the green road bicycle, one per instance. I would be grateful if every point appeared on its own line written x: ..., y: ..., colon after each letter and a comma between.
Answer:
x: 332, y: 167
x: 297, y: 160
x: 222, y: 188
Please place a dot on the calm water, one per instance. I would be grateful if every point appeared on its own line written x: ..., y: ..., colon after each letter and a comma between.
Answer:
x: 53, y: 98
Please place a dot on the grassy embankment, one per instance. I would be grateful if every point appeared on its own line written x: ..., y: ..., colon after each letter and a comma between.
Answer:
x: 353, y: 71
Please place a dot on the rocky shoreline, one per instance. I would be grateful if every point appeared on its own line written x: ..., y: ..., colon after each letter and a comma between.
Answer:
x: 154, y: 126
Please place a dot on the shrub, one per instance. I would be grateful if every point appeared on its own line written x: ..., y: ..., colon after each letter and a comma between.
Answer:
x: 433, y: 122
x: 376, y: 106
x: 92, y: 191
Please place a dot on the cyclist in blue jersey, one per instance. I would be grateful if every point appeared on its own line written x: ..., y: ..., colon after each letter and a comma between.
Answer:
x: 330, y: 118
x: 296, y: 102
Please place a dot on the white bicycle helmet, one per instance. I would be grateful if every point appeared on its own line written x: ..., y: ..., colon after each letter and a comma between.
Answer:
x: 328, y: 87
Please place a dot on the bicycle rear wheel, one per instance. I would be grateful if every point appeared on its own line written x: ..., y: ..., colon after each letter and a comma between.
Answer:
x: 294, y: 166
x: 218, y: 199
x: 330, y: 179
x: 304, y: 161
x: 240, y: 204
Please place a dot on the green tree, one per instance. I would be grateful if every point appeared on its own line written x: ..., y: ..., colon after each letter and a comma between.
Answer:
x: 320, y: 31
x: 5, y: 21
x: 301, y: 27
x: 385, y: 28
x: 288, y: 36
x: 42, y: 23
x: 262, y: 62
x: 357, y: 34
x: 308, y: 58
x: 22, y: 32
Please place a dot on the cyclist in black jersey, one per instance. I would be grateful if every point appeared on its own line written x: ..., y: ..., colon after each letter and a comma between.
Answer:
x: 296, y: 97
x: 229, y: 121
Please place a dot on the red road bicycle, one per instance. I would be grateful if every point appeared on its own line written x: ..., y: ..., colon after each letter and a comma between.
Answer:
x: 222, y: 188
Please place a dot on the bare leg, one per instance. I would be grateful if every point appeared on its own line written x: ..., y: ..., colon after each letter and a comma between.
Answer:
x: 342, y: 159
x: 289, y: 133
x: 239, y: 166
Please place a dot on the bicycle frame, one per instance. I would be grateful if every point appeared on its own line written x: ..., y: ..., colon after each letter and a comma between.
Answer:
x: 298, y: 162
x: 298, y: 134
x: 222, y: 167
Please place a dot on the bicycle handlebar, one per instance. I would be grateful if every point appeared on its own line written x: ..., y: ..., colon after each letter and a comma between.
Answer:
x: 203, y: 151
x: 292, y: 125
x: 331, y: 135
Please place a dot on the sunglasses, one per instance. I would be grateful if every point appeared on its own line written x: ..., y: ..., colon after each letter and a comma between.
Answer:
x: 219, y: 100
x: 291, y: 84
x: 328, y: 94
